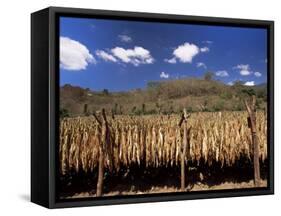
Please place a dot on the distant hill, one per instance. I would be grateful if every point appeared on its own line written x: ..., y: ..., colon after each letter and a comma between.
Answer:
x: 169, y: 96
x: 261, y: 85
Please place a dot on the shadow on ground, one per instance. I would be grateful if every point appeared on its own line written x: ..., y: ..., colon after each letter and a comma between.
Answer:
x: 141, y: 179
x: 25, y: 197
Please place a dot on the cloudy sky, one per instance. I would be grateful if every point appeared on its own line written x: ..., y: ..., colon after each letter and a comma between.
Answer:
x: 124, y: 55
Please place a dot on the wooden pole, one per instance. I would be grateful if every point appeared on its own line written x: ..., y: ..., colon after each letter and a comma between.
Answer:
x: 104, y: 143
x: 251, y: 108
x: 100, y: 173
x: 184, y: 118
x: 183, y: 158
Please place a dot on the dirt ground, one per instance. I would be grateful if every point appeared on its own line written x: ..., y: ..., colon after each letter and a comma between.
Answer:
x: 161, y: 180
x: 170, y: 189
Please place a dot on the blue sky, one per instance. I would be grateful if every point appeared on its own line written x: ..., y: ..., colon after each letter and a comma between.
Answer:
x: 123, y: 55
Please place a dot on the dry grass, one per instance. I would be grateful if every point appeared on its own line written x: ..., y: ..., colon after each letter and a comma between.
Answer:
x: 156, y: 140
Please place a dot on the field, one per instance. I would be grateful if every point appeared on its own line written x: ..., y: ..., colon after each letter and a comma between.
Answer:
x: 149, y: 108
x: 148, y: 146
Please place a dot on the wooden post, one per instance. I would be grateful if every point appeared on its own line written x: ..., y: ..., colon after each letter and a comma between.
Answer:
x: 100, y: 173
x: 184, y: 118
x: 182, y: 158
x: 251, y: 108
x: 105, y: 141
x: 101, y: 158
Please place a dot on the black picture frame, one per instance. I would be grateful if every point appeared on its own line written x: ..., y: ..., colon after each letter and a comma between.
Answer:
x: 45, y: 102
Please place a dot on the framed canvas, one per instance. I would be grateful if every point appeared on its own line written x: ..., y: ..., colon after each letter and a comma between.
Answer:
x: 138, y: 107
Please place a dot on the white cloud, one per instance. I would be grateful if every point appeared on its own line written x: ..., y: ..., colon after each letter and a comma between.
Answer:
x: 257, y: 74
x: 186, y: 52
x: 230, y: 83
x: 171, y: 61
x: 204, y: 49
x: 201, y: 64
x: 74, y: 55
x: 222, y: 73
x: 125, y: 38
x: 164, y: 75
x: 135, y: 56
x: 244, y: 69
x: 245, y: 72
x: 105, y: 56
x: 207, y: 42
x: 249, y: 83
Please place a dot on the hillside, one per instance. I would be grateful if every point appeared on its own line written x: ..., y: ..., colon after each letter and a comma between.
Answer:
x: 161, y: 97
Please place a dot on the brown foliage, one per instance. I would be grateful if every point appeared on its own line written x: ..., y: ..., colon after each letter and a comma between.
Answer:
x: 156, y: 140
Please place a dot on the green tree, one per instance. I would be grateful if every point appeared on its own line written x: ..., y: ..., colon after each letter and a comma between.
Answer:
x: 143, y: 109
x: 208, y: 76
x: 159, y: 107
x: 115, y: 109
x: 85, y: 110
x: 120, y: 109
x: 105, y: 91
x: 248, y: 91
x: 219, y: 105
x: 189, y: 109
x: 262, y: 93
x: 134, y: 110
x: 152, y: 84
x: 64, y: 113
x: 238, y: 83
x: 171, y: 109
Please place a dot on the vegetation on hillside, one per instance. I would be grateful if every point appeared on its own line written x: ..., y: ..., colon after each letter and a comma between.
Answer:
x: 162, y: 97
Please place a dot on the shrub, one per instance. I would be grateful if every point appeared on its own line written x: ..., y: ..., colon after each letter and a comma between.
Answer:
x: 85, y: 110
x: 208, y: 76
x: 219, y: 105
x: 226, y: 95
x: 105, y: 91
x: 189, y: 109
x: 64, y: 113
